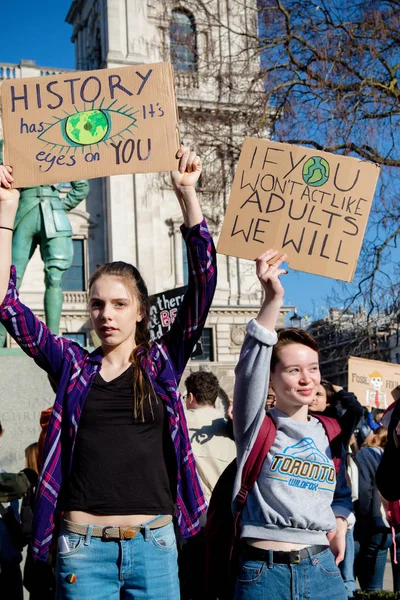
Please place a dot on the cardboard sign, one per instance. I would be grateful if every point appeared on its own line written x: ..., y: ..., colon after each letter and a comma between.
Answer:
x: 312, y: 205
x: 373, y: 382
x: 163, y: 310
x: 81, y: 125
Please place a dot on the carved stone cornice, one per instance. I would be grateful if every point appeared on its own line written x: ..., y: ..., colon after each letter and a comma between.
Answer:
x: 242, y: 310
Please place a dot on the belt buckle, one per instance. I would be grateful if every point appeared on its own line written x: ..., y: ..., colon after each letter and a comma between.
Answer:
x: 127, y: 533
x: 296, y: 558
x: 105, y: 535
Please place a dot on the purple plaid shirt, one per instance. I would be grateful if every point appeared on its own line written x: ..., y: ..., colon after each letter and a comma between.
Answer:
x: 74, y: 369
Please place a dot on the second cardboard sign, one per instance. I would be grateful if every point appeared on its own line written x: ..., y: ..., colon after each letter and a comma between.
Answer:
x: 312, y: 205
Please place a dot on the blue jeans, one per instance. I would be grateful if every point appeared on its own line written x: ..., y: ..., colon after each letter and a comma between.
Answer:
x: 315, y: 578
x: 347, y: 565
x: 143, y: 568
x: 371, y: 559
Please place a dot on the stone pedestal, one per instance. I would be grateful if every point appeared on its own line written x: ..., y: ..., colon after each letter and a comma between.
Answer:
x: 24, y: 393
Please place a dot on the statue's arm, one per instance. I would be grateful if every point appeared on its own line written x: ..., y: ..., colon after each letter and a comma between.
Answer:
x: 78, y: 192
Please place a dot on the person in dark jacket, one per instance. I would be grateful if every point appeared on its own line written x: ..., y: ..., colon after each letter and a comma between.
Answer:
x: 12, y: 487
x: 373, y: 532
x: 333, y: 401
x: 387, y: 476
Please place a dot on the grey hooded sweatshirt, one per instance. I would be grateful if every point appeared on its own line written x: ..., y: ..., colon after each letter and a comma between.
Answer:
x: 296, y: 496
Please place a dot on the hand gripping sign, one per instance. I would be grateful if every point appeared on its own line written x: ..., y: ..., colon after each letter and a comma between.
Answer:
x: 312, y: 205
x: 80, y: 125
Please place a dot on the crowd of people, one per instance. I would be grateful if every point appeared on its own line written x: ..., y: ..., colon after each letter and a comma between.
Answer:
x: 126, y: 472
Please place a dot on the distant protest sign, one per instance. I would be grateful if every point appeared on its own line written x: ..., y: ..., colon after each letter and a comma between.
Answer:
x: 373, y: 382
x: 163, y: 310
x: 312, y: 205
x: 80, y: 125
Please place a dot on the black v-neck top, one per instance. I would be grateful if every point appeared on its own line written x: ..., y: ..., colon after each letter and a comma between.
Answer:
x: 120, y: 465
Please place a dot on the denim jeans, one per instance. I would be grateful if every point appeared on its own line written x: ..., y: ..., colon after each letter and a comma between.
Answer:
x: 347, y: 565
x: 142, y: 568
x: 371, y: 559
x: 315, y: 578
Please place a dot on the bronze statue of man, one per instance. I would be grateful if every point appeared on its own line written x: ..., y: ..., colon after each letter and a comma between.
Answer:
x: 42, y: 220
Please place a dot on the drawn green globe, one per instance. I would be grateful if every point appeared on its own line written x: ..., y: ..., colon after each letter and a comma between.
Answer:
x: 87, y: 127
x: 316, y: 171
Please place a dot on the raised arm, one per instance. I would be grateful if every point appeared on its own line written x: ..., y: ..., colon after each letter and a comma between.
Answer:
x: 184, y: 182
x: 202, y: 267
x: 269, y: 274
x: 253, y: 369
x: 8, y: 209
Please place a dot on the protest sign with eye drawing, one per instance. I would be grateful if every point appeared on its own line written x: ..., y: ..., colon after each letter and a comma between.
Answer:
x: 80, y: 125
x: 312, y: 205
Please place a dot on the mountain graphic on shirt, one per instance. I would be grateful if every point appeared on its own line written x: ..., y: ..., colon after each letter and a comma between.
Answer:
x: 307, y: 449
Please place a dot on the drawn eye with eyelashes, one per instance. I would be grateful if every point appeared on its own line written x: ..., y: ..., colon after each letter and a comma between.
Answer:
x: 90, y: 127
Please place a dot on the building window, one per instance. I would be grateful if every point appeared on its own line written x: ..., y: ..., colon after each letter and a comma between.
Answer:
x: 182, y: 33
x: 185, y: 263
x: 207, y: 345
x: 80, y: 338
x: 74, y: 278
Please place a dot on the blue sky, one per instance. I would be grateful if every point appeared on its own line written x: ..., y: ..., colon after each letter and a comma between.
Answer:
x: 38, y: 31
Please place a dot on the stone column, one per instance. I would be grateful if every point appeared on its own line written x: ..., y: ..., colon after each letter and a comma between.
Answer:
x: 175, y: 233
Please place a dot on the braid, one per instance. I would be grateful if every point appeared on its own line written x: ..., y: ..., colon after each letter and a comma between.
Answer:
x: 142, y: 387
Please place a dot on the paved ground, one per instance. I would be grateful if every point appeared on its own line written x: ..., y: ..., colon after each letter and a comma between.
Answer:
x: 388, y: 580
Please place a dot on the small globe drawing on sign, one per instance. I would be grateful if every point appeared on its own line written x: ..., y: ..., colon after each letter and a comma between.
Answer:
x: 87, y: 127
x: 316, y: 171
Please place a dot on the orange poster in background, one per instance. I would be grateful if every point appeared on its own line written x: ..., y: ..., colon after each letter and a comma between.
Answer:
x: 373, y: 381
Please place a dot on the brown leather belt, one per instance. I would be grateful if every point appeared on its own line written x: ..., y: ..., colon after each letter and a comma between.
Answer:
x: 112, y: 532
